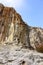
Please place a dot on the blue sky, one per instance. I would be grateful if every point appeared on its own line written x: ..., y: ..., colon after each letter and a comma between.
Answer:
x: 30, y: 10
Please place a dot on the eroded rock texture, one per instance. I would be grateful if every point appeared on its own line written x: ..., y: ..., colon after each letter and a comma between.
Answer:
x: 14, y: 55
x: 14, y: 30
x: 17, y: 38
x: 36, y: 38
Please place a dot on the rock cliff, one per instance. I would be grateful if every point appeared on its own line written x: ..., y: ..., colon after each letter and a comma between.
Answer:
x: 19, y: 42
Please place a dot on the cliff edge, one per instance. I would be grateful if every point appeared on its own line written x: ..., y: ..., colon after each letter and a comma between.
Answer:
x: 20, y: 44
x: 14, y: 30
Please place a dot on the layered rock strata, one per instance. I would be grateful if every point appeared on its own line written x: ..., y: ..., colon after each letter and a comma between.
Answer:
x: 14, y: 30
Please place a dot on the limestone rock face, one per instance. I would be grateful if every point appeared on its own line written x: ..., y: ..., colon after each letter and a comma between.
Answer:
x: 14, y: 30
x: 17, y: 40
x: 12, y: 27
x: 36, y: 38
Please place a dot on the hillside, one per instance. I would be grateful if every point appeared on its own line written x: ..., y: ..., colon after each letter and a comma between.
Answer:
x: 19, y: 42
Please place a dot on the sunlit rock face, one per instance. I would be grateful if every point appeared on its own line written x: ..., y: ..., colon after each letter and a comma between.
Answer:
x: 19, y: 42
x: 36, y: 38
x: 14, y: 29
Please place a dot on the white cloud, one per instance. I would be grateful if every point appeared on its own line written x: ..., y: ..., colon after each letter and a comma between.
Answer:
x: 12, y: 3
x: 9, y: 0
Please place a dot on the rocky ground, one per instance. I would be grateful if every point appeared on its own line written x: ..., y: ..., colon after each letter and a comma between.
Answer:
x: 14, y: 55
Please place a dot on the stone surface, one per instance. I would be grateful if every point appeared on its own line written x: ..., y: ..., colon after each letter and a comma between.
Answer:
x: 13, y: 28
x: 20, y: 43
x: 36, y: 38
x: 14, y: 55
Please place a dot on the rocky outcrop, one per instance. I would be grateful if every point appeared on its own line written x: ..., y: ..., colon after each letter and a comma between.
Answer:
x: 36, y: 38
x: 19, y: 42
x: 14, y: 29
